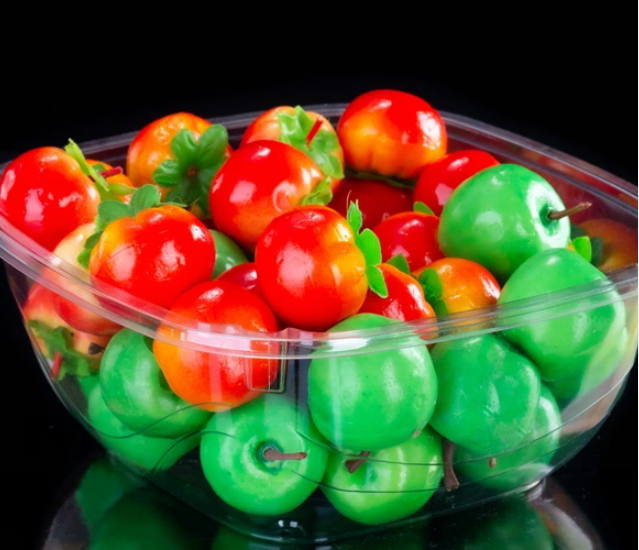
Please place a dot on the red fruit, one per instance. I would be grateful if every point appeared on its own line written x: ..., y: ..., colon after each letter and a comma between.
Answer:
x: 438, y: 180
x: 155, y: 256
x: 260, y: 182
x: 412, y: 234
x: 377, y: 200
x: 244, y: 275
x: 391, y: 133
x: 218, y: 382
x: 45, y: 194
x: 405, y: 300
x: 311, y: 272
x: 618, y: 246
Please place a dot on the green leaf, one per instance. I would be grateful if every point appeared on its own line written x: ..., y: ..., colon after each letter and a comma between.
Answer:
x: 440, y: 308
x: 99, y: 167
x: 376, y: 281
x: 322, y: 194
x: 399, y: 261
x: 354, y: 217
x: 144, y: 197
x: 168, y: 174
x: 576, y: 231
x: 401, y: 184
x: 184, y: 147
x: 423, y: 208
x: 369, y: 244
x: 100, y: 183
x: 120, y: 189
x: 109, y: 211
x: 59, y: 340
x: 596, y: 244
x: 432, y: 285
x: 211, y: 147
x: 583, y: 247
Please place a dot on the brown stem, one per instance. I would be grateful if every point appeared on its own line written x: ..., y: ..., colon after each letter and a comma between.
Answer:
x: 492, y: 463
x: 569, y: 211
x: 115, y: 171
x: 311, y: 135
x: 95, y: 349
x: 57, y: 364
x: 353, y: 465
x: 450, y: 477
x: 273, y: 454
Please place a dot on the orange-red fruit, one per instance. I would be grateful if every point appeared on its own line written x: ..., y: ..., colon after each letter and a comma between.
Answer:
x: 619, y: 243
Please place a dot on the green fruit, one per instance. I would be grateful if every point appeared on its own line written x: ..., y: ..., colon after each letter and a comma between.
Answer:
x: 235, y: 456
x: 391, y: 485
x: 227, y: 253
x: 524, y: 465
x: 136, y: 391
x: 499, y: 218
x: 140, y: 452
x: 488, y: 394
x: 375, y: 400
x: 579, y: 349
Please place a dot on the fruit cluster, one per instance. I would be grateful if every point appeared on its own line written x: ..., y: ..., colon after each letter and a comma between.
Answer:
x: 319, y: 229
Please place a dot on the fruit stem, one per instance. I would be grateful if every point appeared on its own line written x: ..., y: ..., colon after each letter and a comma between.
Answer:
x: 95, y: 349
x: 115, y: 171
x: 311, y: 135
x: 57, y: 364
x: 274, y: 454
x: 569, y: 211
x: 492, y: 463
x: 353, y: 465
x: 450, y: 477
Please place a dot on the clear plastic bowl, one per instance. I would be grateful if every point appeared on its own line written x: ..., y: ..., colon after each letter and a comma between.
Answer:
x: 175, y: 464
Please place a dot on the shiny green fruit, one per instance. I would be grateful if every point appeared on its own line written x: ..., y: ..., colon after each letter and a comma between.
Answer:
x: 136, y: 391
x: 227, y: 253
x: 375, y: 400
x: 240, y: 449
x: 140, y: 452
x: 499, y: 218
x: 488, y: 394
x: 579, y: 342
x: 525, y: 465
x: 390, y: 485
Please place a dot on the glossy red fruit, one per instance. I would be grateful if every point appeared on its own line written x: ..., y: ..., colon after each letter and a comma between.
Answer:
x: 405, y: 300
x: 156, y: 256
x: 45, y: 194
x: 218, y: 382
x: 411, y: 234
x: 377, y: 200
x: 391, y: 133
x: 260, y: 182
x: 438, y: 180
x: 244, y: 275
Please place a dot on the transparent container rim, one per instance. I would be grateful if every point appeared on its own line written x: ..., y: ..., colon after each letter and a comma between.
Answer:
x: 104, y: 299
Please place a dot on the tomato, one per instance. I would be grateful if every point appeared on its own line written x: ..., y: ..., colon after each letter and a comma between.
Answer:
x: 405, y: 300
x: 260, y: 182
x: 45, y: 194
x: 412, y: 234
x: 244, y: 275
x: 156, y: 256
x: 438, y: 180
x: 310, y: 270
x: 453, y: 285
x: 218, y: 382
x: 618, y: 243
x: 307, y: 131
x: 391, y: 133
x: 376, y: 200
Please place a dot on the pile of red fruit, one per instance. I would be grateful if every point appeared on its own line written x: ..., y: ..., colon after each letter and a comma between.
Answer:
x: 320, y: 229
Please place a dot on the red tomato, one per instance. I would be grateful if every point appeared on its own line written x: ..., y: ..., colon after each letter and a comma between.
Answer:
x: 405, y: 301
x: 412, y: 234
x: 260, y: 182
x: 310, y: 270
x: 155, y: 256
x: 438, y: 180
x: 391, y: 133
x: 244, y: 275
x: 377, y: 200
x: 465, y: 285
x: 46, y: 196
x: 218, y: 382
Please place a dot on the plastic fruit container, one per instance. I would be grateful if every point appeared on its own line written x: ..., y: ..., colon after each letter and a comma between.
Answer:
x: 388, y: 487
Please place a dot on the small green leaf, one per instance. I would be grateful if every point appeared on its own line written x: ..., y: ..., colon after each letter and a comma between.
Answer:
x: 583, y: 247
x: 423, y: 208
x: 369, y: 244
x: 101, y: 184
x: 59, y: 340
x: 322, y: 194
x: 596, y: 244
x: 184, y: 147
x: 376, y: 281
x: 144, y: 197
x: 120, y: 189
x: 432, y: 285
x: 354, y: 217
x: 109, y: 211
x: 168, y: 174
x: 576, y: 231
x: 99, y: 167
x: 440, y: 308
x: 212, y: 145
x: 399, y: 261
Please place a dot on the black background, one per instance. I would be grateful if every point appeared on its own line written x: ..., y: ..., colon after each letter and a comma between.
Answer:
x: 552, y: 82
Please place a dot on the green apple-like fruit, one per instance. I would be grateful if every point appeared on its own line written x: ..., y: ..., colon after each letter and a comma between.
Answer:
x: 524, y: 465
x: 488, y: 394
x: 375, y: 400
x: 227, y: 253
x: 265, y: 457
x: 577, y: 343
x: 390, y: 484
x: 140, y: 452
x: 502, y: 216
